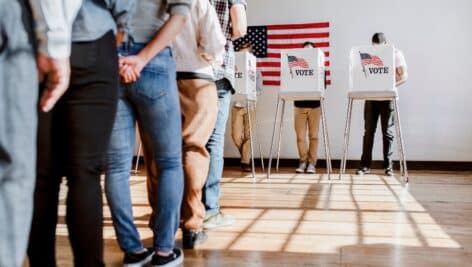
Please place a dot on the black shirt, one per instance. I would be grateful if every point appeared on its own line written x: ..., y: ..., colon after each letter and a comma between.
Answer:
x: 307, y: 104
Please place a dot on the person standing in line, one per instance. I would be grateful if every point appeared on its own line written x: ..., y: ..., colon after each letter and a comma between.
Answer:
x: 307, y: 118
x: 385, y: 110
x: 232, y: 17
x: 148, y: 95
x: 198, y: 47
x: 19, y: 104
x: 74, y: 136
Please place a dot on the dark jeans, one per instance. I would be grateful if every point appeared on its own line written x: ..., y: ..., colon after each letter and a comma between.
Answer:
x: 372, y: 111
x: 72, y: 141
x: 18, y: 123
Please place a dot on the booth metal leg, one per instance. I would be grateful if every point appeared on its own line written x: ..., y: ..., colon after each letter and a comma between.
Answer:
x: 135, y: 171
x: 281, y: 128
x: 256, y: 128
x: 326, y: 139
x: 401, y: 146
x: 251, y: 140
x: 346, y: 138
x: 272, y: 139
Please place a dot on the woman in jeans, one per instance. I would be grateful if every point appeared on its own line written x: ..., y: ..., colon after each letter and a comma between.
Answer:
x: 148, y: 95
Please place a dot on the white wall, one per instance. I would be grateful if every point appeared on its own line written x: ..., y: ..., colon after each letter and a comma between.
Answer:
x: 436, y: 102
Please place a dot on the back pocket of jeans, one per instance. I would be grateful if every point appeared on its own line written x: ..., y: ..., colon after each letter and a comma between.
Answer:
x: 153, y: 83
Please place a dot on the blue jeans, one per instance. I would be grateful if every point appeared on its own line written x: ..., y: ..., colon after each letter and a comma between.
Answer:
x: 18, y: 124
x: 215, y: 146
x: 153, y: 102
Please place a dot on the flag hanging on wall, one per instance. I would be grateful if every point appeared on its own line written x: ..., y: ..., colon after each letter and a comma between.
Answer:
x: 267, y: 41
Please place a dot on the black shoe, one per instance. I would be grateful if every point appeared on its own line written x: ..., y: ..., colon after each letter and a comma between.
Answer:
x: 191, y: 239
x: 174, y: 259
x: 389, y: 172
x: 246, y: 167
x: 362, y: 171
x: 138, y: 259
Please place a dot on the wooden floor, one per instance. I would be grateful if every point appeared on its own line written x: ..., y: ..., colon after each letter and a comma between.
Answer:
x: 307, y: 220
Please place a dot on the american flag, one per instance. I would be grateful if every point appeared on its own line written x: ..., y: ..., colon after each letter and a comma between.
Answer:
x: 368, y: 59
x: 267, y: 41
x: 293, y: 61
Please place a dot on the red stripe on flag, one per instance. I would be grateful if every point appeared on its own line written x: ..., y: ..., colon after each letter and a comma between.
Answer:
x: 277, y: 55
x: 296, y: 45
x: 327, y: 63
x: 328, y: 73
x: 298, y: 36
x: 262, y: 64
x: 328, y: 82
x: 271, y: 73
x: 271, y: 83
x: 298, y: 26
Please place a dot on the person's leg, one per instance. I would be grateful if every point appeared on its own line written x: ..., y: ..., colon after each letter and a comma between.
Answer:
x: 18, y: 101
x: 199, y: 107
x: 313, y: 129
x: 156, y: 99
x: 387, y: 122
x: 89, y: 109
x: 300, y: 119
x: 237, y: 128
x: 371, y: 116
x: 211, y: 191
x: 246, y: 145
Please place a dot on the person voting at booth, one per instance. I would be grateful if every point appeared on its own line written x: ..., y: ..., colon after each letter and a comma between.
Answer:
x: 307, y: 118
x: 240, y: 131
x: 385, y: 110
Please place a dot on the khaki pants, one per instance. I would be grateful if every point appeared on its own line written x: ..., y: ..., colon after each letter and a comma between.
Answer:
x: 240, y: 131
x: 307, y: 117
x: 199, y: 107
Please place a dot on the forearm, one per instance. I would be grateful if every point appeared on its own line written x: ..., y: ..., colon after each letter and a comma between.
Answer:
x: 164, y: 37
x: 238, y: 21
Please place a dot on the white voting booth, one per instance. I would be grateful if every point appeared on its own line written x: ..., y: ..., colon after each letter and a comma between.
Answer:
x: 372, y: 77
x: 245, y: 86
x: 302, y: 77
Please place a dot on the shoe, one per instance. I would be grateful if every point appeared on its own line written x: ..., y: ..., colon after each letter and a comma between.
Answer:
x: 138, y: 259
x: 389, y: 172
x: 362, y: 171
x: 301, y: 167
x: 191, y: 239
x: 311, y: 168
x: 174, y: 259
x: 218, y: 220
x: 246, y: 167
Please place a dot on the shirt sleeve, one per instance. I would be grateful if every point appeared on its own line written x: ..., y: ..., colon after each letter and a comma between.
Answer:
x: 238, y: 2
x: 53, y: 25
x: 181, y: 7
x: 122, y: 11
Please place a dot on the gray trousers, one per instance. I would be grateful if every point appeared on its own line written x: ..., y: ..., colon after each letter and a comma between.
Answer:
x: 18, y: 122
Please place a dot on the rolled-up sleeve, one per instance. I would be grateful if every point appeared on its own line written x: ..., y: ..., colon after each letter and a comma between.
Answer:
x: 179, y: 7
x: 53, y: 25
x: 238, y: 2
x: 122, y: 11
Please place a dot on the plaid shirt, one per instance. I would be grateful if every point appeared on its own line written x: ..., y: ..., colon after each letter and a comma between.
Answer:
x: 222, y: 8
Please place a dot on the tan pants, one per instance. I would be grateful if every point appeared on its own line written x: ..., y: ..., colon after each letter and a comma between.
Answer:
x: 240, y: 131
x: 199, y: 107
x: 307, y: 117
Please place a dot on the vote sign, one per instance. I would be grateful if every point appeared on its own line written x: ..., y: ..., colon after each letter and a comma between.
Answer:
x: 372, y: 68
x: 245, y: 75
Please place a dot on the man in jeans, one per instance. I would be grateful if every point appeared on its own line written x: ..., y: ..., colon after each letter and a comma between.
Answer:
x: 18, y: 106
x: 383, y: 109
x: 232, y: 17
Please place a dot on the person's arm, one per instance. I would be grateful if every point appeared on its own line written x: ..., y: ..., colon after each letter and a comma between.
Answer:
x: 132, y: 65
x: 238, y: 18
x: 53, y: 26
x: 401, y: 75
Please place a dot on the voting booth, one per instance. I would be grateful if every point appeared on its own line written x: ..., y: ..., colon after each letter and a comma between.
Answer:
x: 302, y: 77
x: 245, y: 87
x: 372, y: 77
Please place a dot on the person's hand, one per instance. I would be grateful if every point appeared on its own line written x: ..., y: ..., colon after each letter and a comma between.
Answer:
x: 131, y: 67
x: 55, y: 75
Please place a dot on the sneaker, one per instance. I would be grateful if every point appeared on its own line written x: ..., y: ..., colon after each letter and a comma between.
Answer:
x: 362, y: 171
x: 138, y: 259
x: 191, y: 239
x: 174, y: 259
x: 389, y: 172
x: 218, y: 220
x: 311, y: 168
x: 301, y: 167
x: 246, y: 167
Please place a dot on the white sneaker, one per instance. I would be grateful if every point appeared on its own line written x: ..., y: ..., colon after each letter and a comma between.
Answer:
x: 301, y: 168
x: 311, y: 168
